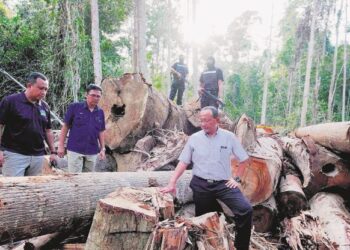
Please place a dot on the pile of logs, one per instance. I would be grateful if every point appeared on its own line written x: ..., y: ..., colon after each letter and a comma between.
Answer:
x: 298, y: 183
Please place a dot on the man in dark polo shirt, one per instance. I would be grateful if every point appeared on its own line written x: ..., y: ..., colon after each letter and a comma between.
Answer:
x: 212, y: 81
x: 179, y: 73
x: 210, y: 151
x: 85, y: 122
x: 25, y: 123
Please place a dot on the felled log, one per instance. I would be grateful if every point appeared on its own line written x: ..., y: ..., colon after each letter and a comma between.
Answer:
x: 264, y: 215
x: 305, y: 232
x: 246, y: 132
x: 132, y: 107
x: 33, y: 206
x: 297, y: 150
x: 328, y: 170
x: 261, y: 176
x: 128, y: 214
x: 334, y: 135
x: 334, y: 218
x: 36, y: 242
x: 76, y: 246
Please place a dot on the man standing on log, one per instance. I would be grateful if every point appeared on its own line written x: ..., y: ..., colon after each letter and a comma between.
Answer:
x: 179, y: 73
x: 210, y: 151
x: 25, y: 122
x: 85, y: 122
x: 211, y: 84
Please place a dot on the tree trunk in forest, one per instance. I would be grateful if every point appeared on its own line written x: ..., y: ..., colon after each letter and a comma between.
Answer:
x: 327, y: 169
x: 335, y: 135
x: 95, y: 41
x: 331, y: 91
x: 126, y: 214
x: 310, y: 53
x: 139, y: 46
x: 33, y: 206
x: 334, y: 218
x: 264, y: 215
x: 345, y: 63
x: 266, y: 75
x: 132, y: 108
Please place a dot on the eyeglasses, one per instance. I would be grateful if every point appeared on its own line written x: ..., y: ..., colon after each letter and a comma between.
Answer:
x: 95, y: 96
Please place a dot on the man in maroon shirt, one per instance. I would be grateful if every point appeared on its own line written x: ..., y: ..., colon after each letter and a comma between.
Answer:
x: 25, y: 123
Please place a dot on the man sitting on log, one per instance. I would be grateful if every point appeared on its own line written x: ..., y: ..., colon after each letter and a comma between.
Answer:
x: 27, y: 121
x: 85, y: 122
x: 210, y: 152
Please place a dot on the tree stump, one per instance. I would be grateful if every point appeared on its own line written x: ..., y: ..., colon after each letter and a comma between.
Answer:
x: 264, y: 215
x: 128, y: 214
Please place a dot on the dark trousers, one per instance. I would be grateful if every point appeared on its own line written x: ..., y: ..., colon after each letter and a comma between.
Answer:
x: 208, y: 101
x: 179, y: 88
x: 205, y: 196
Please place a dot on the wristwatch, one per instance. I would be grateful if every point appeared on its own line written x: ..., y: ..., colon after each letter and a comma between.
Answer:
x: 237, y: 179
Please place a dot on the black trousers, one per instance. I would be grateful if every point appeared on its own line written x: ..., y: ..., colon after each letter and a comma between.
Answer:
x: 205, y: 196
x: 179, y: 88
x: 208, y: 101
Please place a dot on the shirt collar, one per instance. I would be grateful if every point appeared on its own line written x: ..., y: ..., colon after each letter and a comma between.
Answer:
x: 86, y: 106
x: 216, y: 132
x: 25, y: 99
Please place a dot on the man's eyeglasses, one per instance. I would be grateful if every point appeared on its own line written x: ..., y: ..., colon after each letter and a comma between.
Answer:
x: 95, y: 96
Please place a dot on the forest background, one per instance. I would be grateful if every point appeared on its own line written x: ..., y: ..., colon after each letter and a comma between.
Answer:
x: 297, y: 76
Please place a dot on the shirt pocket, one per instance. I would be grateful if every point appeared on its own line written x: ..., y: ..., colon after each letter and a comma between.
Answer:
x: 224, y: 153
x: 80, y: 120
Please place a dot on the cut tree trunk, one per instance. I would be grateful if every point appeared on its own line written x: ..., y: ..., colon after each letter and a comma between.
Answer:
x: 127, y: 214
x: 296, y: 149
x: 328, y: 170
x: 246, y: 132
x: 264, y: 215
x: 334, y: 218
x: 260, y: 177
x: 33, y: 206
x: 335, y: 135
x: 132, y: 108
x: 291, y: 198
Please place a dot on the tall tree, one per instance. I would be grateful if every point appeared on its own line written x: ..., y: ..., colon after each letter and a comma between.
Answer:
x: 332, y: 88
x: 266, y: 75
x: 345, y: 63
x: 95, y: 41
x: 139, y: 47
x: 310, y: 53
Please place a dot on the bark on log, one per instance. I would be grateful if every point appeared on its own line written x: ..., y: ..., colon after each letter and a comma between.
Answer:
x: 264, y: 215
x: 296, y: 149
x: 327, y: 169
x: 33, y: 206
x: 127, y: 214
x: 334, y: 217
x: 335, y: 135
x: 291, y: 198
x: 77, y: 246
x: 246, y: 132
x: 305, y: 232
x: 261, y: 176
x: 132, y: 108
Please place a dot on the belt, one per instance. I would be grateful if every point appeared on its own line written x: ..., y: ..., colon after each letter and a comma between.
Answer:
x: 209, y: 180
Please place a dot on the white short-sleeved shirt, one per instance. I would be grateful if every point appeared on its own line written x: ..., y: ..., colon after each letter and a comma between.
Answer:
x: 211, y: 156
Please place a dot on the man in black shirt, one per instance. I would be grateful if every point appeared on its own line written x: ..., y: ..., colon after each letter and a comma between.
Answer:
x: 179, y: 73
x: 212, y: 81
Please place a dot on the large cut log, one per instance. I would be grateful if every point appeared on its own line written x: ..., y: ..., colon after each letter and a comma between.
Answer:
x: 33, y: 206
x: 264, y: 215
x: 261, y: 176
x: 246, y: 132
x: 305, y: 232
x: 328, y: 170
x: 291, y: 198
x: 334, y: 135
x: 296, y: 149
x: 132, y: 107
x: 127, y: 214
x: 334, y: 217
